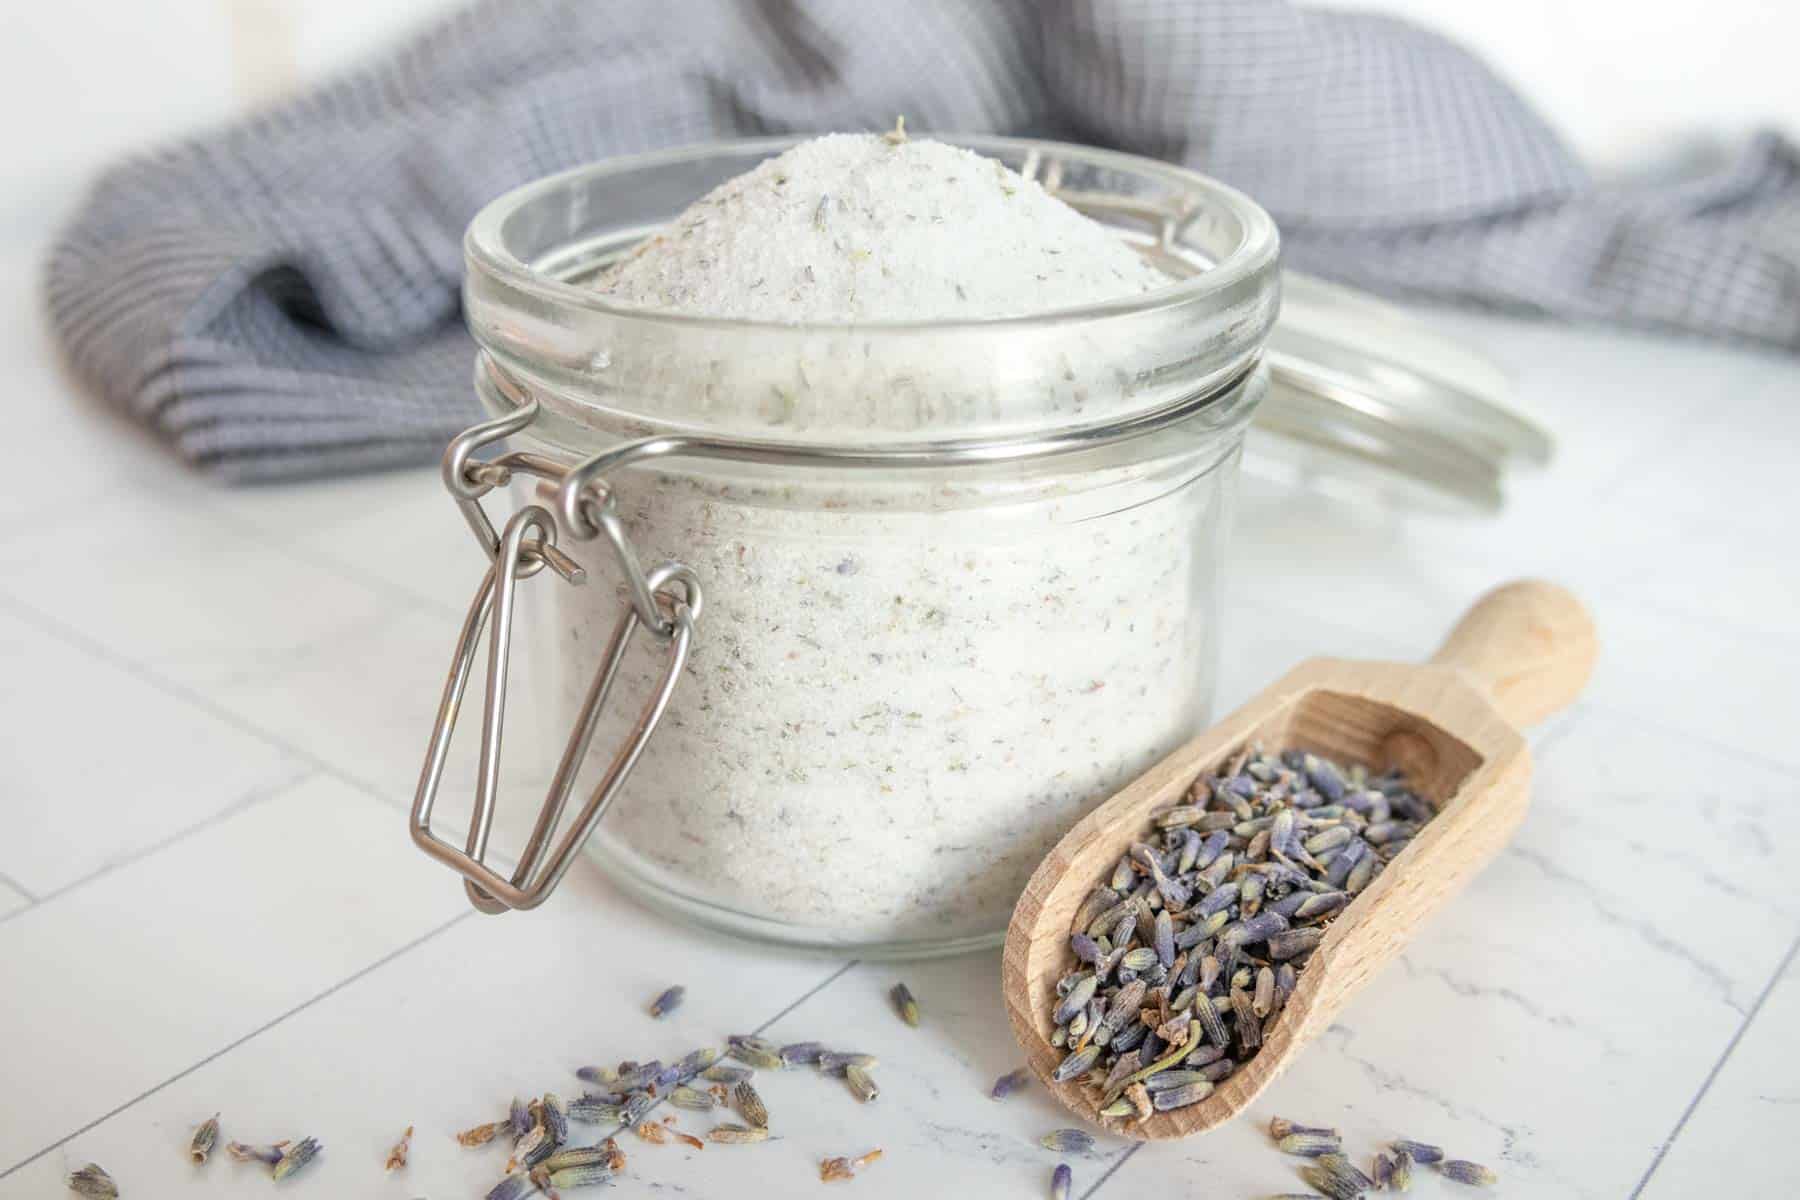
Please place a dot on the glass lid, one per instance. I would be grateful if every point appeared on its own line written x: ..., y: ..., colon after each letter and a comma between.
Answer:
x: 1363, y: 399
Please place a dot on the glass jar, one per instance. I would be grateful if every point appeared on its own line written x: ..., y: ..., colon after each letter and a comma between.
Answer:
x: 959, y: 577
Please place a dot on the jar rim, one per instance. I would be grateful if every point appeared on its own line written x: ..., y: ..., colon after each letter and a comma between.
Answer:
x: 488, y: 248
x: 604, y: 371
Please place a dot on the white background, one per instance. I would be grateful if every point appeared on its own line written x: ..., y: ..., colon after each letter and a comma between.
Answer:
x: 83, y: 80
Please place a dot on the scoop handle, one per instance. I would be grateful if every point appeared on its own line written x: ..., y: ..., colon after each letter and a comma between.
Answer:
x: 1530, y: 645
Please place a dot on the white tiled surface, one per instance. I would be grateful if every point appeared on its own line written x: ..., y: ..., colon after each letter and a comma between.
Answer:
x: 216, y: 701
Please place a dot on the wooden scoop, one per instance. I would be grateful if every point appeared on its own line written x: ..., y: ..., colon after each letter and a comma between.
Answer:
x: 1524, y: 651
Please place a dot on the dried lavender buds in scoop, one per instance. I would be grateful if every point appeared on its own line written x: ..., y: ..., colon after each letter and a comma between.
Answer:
x: 1184, y: 956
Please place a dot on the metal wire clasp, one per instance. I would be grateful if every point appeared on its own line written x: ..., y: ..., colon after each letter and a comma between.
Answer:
x: 665, y: 602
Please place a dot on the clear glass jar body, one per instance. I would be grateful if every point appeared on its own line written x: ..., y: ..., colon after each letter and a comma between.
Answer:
x: 911, y: 676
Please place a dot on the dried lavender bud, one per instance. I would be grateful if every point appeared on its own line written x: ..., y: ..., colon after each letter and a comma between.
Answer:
x: 1319, y: 905
x: 691, y: 1098
x: 1068, y: 1141
x: 1061, y: 1180
x: 582, y: 1156
x: 696, y: 1061
x: 635, y: 1106
x: 1383, y: 1174
x: 1212, y: 1023
x: 726, y: 1073
x: 1341, y: 1164
x: 1463, y: 1171
x: 1075, y: 1064
x: 1080, y: 994
x: 1402, y: 1177
x: 1263, y: 1003
x: 555, y: 1118
x: 585, y: 1175
x: 754, y: 1052
x: 1310, y: 1145
x: 1423, y: 1153
x: 205, y: 1137
x: 1294, y: 942
x: 908, y: 1007
x: 1165, y: 938
x: 1181, y: 1097
x: 833, y: 1063
x: 589, y: 1110
x: 520, y: 1117
x: 1330, y: 1182
x: 397, y: 1156
x: 1140, y: 959
x: 750, y: 1104
x: 1249, y: 1029
x: 1280, y: 1127
x: 729, y: 1134
x: 668, y: 1002
x: 1085, y: 948
x: 270, y: 1155
x: 1324, y: 776
x: 92, y: 1180
x: 296, y: 1156
x: 862, y: 1084
x: 1009, y: 1083
x: 513, y: 1187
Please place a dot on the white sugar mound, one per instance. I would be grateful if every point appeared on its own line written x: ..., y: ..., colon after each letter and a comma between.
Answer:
x: 858, y: 227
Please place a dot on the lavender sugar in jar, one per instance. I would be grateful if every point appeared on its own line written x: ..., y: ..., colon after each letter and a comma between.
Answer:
x: 946, y: 433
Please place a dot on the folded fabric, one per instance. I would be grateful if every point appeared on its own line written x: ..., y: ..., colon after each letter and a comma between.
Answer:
x: 281, y: 297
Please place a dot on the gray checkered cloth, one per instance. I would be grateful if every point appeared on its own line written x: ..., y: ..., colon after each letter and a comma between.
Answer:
x: 280, y: 298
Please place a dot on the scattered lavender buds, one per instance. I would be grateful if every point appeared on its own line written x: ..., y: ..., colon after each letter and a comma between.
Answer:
x: 267, y: 1155
x: 397, y: 1156
x: 296, y: 1156
x: 1401, y: 1178
x: 1470, y: 1173
x: 905, y: 1005
x: 204, y: 1139
x: 92, y: 1180
x: 1009, y: 1083
x: 1310, y: 1145
x: 833, y: 1169
x: 862, y: 1084
x: 750, y: 1104
x: 668, y: 1002
x: 1423, y: 1153
x: 692, y: 1098
x: 1061, y: 1180
x: 1068, y: 1141
x: 1186, y: 954
x: 570, y: 1177
x: 513, y: 1187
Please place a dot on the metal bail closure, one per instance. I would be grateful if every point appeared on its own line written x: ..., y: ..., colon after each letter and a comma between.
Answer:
x: 527, y: 543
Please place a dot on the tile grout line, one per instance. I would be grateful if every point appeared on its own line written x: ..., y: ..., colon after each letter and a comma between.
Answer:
x: 809, y: 994
x: 1108, y: 1173
x: 251, y: 799
x: 187, y: 695
x: 339, y: 986
x: 1687, y: 1113
x: 30, y: 898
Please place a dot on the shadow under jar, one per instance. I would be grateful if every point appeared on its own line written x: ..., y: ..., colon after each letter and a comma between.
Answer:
x: 959, y: 577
